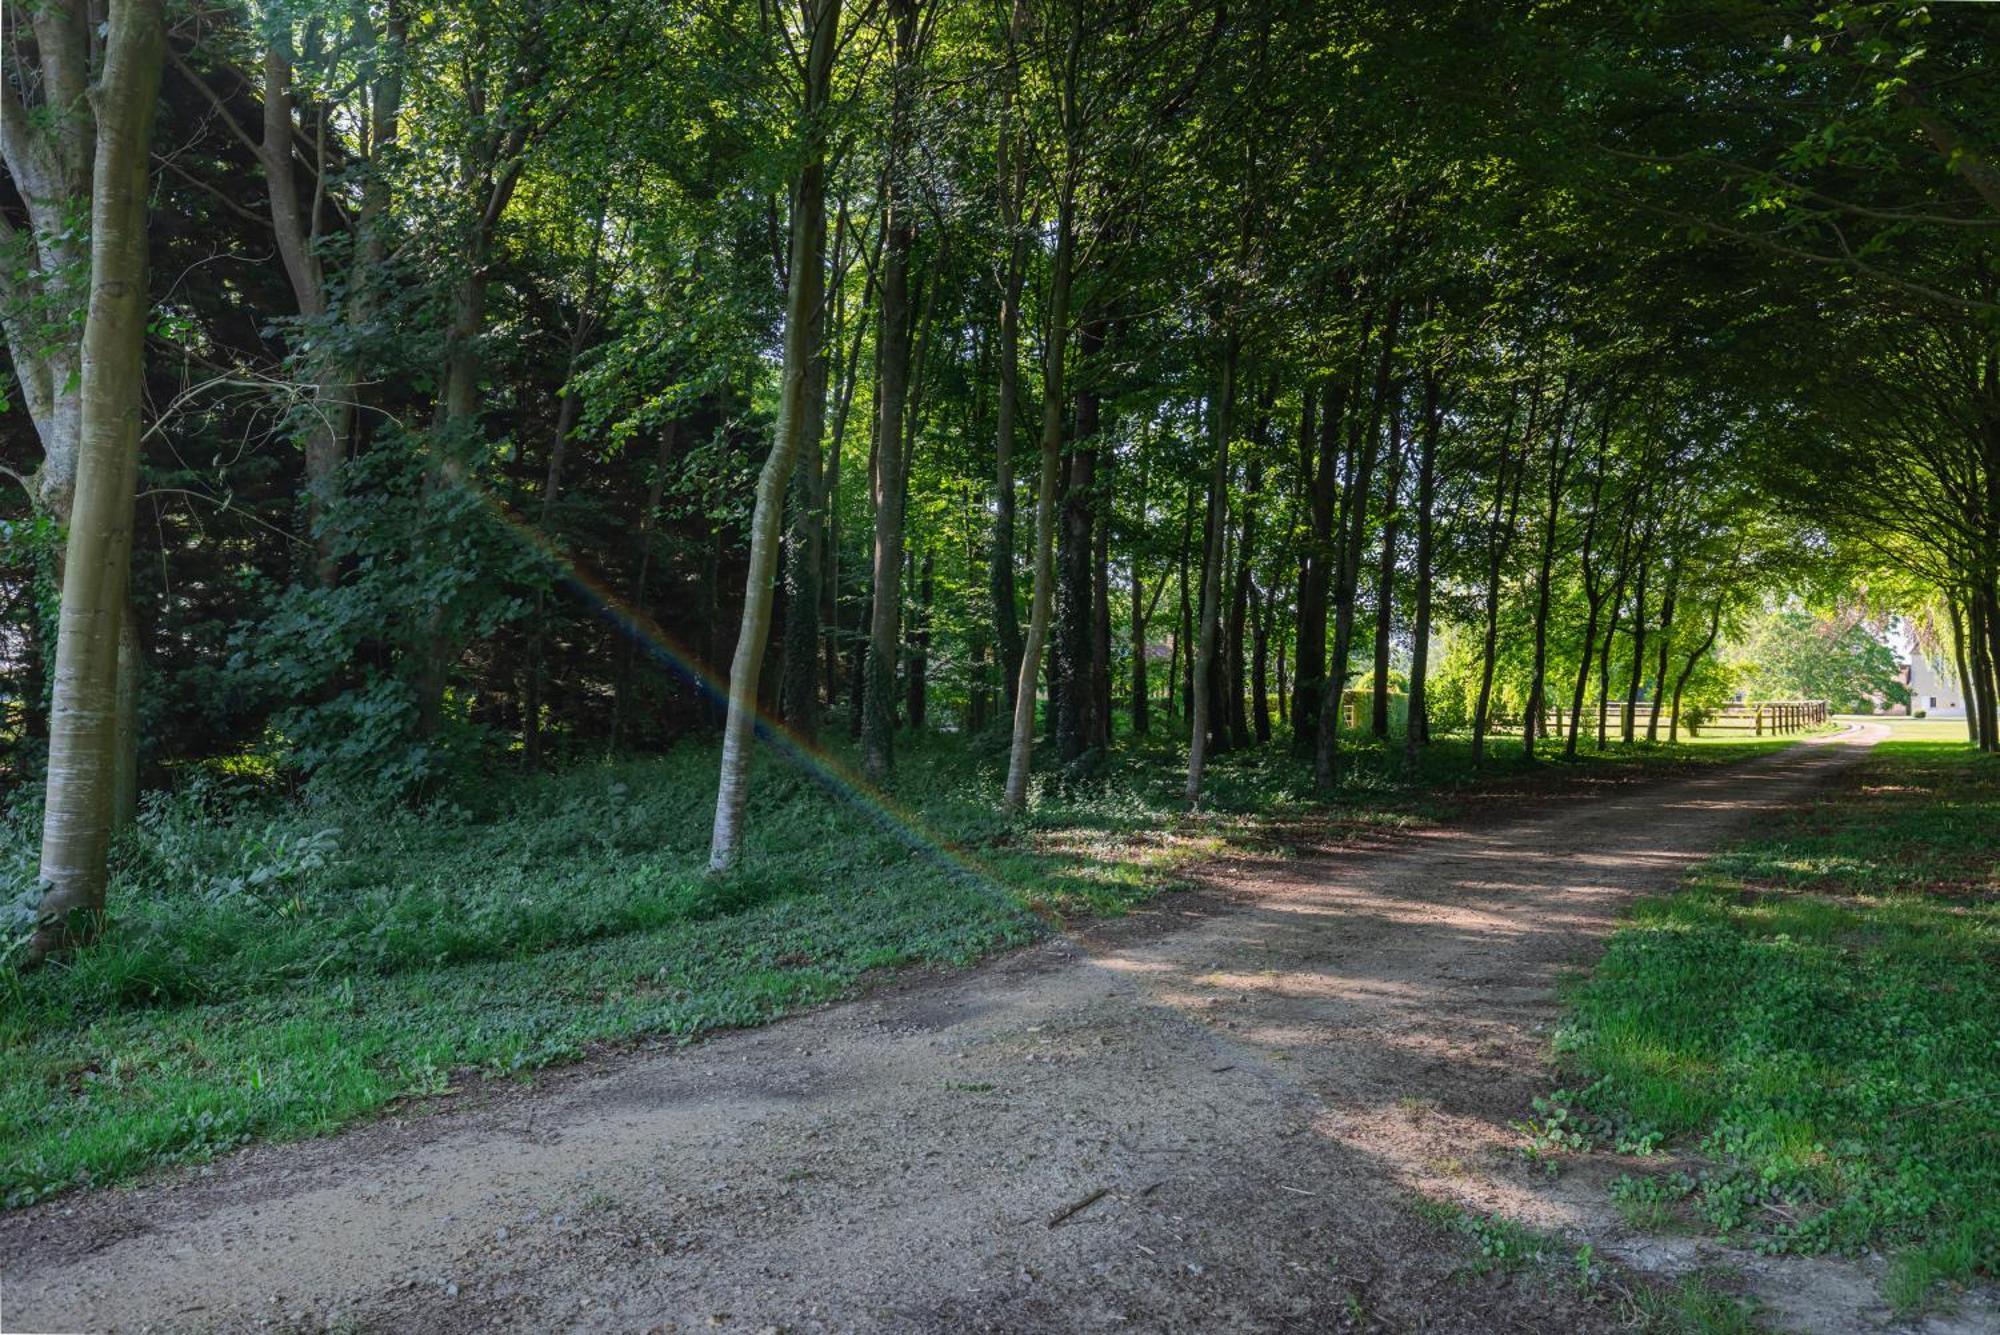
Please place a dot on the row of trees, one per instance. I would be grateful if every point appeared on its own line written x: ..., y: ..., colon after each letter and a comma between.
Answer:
x: 540, y: 376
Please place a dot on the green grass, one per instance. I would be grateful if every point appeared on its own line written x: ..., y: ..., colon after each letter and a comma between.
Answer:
x: 273, y: 970
x: 1816, y: 1012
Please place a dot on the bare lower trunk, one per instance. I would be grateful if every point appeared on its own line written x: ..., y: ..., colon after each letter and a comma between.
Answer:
x: 84, y: 741
x: 804, y: 558
x: 1959, y: 662
x: 1417, y: 729
x: 802, y: 340
x: 878, y: 708
x: 1211, y: 568
x: 1680, y: 682
x: 1666, y: 645
x: 1055, y: 349
x: 1385, y: 577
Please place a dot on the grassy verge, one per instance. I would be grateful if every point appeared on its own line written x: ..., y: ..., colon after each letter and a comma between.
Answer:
x: 1697, y: 1303
x: 274, y: 971
x: 1817, y: 1013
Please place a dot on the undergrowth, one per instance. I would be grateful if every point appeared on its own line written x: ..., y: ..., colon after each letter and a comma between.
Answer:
x: 273, y: 969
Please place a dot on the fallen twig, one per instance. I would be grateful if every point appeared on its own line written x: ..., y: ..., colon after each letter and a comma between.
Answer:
x: 1077, y: 1207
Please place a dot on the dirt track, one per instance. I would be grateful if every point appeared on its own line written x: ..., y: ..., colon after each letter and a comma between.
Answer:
x: 1254, y: 1079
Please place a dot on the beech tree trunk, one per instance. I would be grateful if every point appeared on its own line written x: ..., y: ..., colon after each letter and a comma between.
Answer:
x: 85, y: 744
x: 1385, y: 574
x: 1560, y: 454
x: 1417, y: 730
x: 1220, y: 406
x: 893, y: 343
x: 1055, y: 350
x: 1072, y: 687
x: 798, y: 695
x: 1316, y: 567
x: 1499, y: 538
x: 1668, y: 600
x: 1629, y: 721
x: 803, y: 318
x: 1348, y: 575
x: 1239, y: 607
x: 1965, y: 684
x: 1012, y: 171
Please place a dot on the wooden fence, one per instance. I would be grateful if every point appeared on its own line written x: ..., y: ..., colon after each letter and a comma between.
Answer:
x: 1771, y: 717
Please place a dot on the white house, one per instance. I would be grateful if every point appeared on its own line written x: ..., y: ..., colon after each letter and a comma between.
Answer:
x: 1934, y: 690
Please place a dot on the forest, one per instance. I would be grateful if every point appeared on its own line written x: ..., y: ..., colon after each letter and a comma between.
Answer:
x: 763, y: 492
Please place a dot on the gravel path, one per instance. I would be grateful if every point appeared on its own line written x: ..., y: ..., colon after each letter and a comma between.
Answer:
x: 1234, y: 1094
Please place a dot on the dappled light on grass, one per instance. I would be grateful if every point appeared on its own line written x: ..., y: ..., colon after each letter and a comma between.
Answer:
x: 1817, y: 1013
x: 280, y: 970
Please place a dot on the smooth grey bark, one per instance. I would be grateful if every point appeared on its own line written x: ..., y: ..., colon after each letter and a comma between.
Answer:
x: 1500, y: 534
x: 893, y: 343
x: 85, y: 719
x: 1417, y: 730
x: 1347, y: 575
x: 798, y: 696
x: 1385, y: 575
x: 1055, y: 351
x: 1562, y: 452
x: 1220, y: 409
x: 1669, y: 601
x: 1593, y: 586
x: 802, y: 339
x: 1963, y: 667
x: 1012, y: 182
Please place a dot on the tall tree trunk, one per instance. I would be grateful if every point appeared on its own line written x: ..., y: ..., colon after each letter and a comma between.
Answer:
x: 1980, y: 689
x: 1142, y: 721
x: 1181, y: 675
x: 1012, y: 171
x: 1499, y: 538
x: 1669, y: 598
x: 1072, y: 690
x: 1989, y: 675
x: 1629, y: 721
x: 1221, y: 404
x: 1963, y: 668
x: 1687, y: 671
x: 1561, y: 452
x: 1593, y: 587
x: 1239, y: 605
x: 1055, y: 349
x: 1100, y: 612
x: 1260, y: 686
x: 1417, y: 729
x: 893, y: 341
x: 916, y: 697
x: 1616, y: 605
x: 803, y: 335
x: 805, y: 560
x: 1316, y: 569
x: 84, y: 720
x: 1348, y: 573
x: 1385, y: 572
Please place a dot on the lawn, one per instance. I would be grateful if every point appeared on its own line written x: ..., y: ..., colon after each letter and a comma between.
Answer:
x: 274, y: 970
x: 1813, y: 1022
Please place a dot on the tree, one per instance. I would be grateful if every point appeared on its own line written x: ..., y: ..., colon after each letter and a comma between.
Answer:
x: 84, y: 741
x: 820, y: 21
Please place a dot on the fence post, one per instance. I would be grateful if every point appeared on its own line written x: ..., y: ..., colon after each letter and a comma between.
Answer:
x: 1760, y: 720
